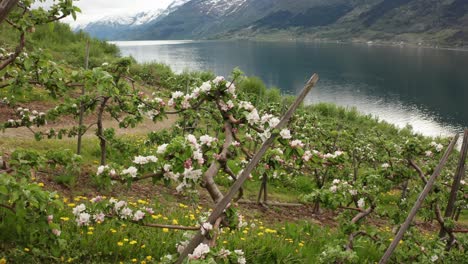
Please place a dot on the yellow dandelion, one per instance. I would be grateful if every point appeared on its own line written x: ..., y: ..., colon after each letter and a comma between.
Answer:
x: 134, y: 260
x: 133, y: 242
x: 143, y: 246
x: 40, y: 184
x: 120, y: 243
x: 165, y: 230
x: 126, y: 239
x: 71, y: 205
x: 65, y: 219
x: 175, y: 222
x: 149, y: 257
x: 26, y: 249
x: 90, y: 233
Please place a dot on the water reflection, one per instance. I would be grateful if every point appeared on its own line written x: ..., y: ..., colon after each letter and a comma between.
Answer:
x: 425, y: 88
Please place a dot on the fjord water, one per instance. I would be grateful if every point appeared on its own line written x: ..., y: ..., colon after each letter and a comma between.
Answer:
x: 425, y: 88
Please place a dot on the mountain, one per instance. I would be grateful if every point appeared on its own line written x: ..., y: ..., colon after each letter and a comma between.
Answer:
x: 435, y: 22
x: 121, y: 27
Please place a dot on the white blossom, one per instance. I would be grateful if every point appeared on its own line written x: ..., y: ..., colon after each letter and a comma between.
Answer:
x: 285, y: 134
x: 274, y: 122
x: 385, y: 165
x: 200, y: 251
x: 207, y: 140
x: 132, y: 171
x: 177, y: 94
x: 126, y: 213
x: 192, y: 140
x: 138, y: 215
x: 162, y: 149
x: 296, y: 144
x: 361, y: 203
x: 83, y: 219
x: 205, y: 87
x: 206, y: 227
x: 78, y: 209
x: 101, y: 170
x: 434, y: 258
x: 218, y: 79
x: 253, y: 117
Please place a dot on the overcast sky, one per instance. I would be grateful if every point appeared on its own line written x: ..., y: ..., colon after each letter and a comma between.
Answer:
x: 95, y: 9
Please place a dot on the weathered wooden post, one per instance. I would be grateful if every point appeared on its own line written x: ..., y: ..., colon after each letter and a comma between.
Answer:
x: 459, y: 174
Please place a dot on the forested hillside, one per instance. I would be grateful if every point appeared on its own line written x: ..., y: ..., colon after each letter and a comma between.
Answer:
x: 425, y: 22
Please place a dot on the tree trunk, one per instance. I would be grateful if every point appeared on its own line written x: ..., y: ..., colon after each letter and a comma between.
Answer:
x: 5, y: 8
x: 100, y: 131
x: 80, y: 122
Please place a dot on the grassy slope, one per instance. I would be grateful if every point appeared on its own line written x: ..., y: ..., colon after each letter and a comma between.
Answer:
x: 297, y: 238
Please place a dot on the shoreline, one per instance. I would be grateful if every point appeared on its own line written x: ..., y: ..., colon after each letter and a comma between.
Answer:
x: 298, y: 40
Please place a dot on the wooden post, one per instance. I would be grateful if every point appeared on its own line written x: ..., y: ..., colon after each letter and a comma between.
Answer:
x: 5, y: 8
x: 419, y: 202
x: 459, y: 174
x: 80, y: 122
x: 223, y: 204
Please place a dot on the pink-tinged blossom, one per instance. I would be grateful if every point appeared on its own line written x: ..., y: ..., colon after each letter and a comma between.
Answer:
x: 149, y: 210
x: 192, y: 140
x: 50, y: 218
x: 224, y: 253
x: 207, y: 140
x: 119, y: 205
x: 296, y: 144
x: 99, y: 217
x: 188, y: 164
x: 333, y: 189
x: 97, y: 199
x: 139, y: 215
x: 200, y: 251
x: 83, y: 219
x: 126, y: 213
x: 253, y: 117
x: 205, y: 228
x: 307, y: 156
x: 78, y: 209
x: 56, y: 232
x: 218, y: 79
x: 198, y: 156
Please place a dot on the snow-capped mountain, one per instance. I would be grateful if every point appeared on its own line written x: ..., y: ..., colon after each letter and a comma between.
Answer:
x: 121, y: 27
x: 312, y: 19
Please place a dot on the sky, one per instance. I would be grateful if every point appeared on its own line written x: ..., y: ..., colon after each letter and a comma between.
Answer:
x: 92, y: 10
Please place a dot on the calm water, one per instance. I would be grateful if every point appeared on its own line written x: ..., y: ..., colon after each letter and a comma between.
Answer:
x: 426, y: 88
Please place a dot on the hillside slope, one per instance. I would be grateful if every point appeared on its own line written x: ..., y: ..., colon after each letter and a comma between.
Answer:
x: 434, y: 22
